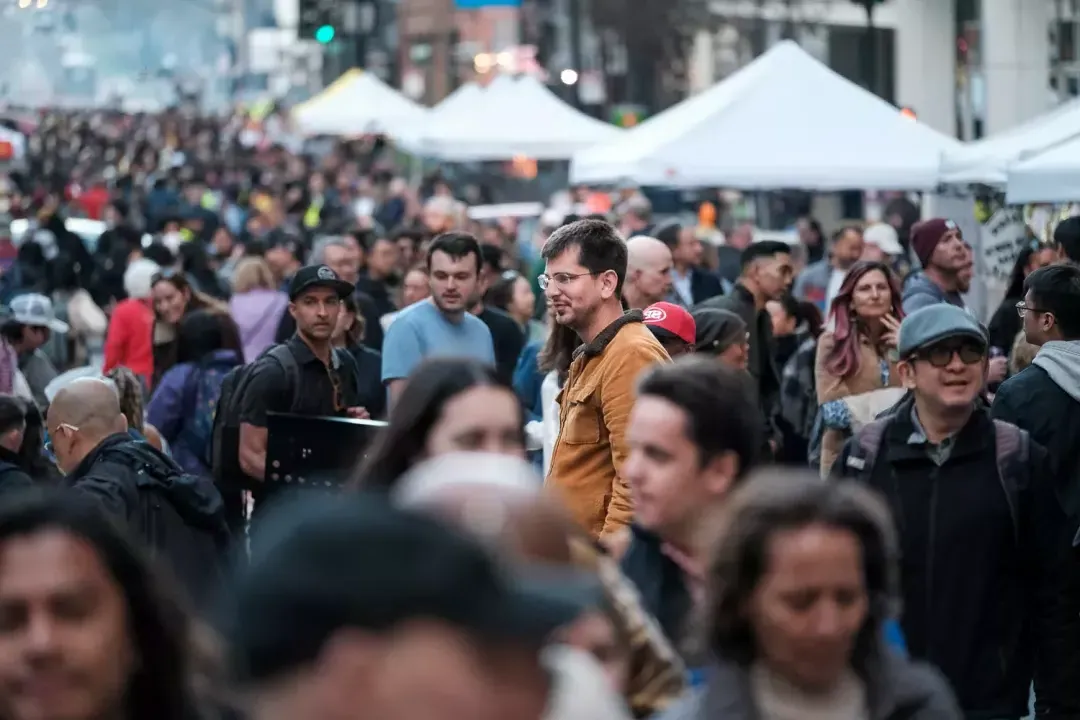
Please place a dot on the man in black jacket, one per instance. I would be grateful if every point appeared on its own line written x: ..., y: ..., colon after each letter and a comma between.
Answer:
x: 176, y: 516
x: 767, y: 274
x: 983, y: 537
x: 690, y: 444
x: 1044, y: 399
x: 690, y: 284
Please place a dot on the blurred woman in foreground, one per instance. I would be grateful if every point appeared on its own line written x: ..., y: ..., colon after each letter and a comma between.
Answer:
x: 448, y: 405
x: 803, y: 580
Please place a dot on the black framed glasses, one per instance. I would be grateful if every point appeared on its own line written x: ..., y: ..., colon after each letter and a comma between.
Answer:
x: 941, y: 355
x: 1022, y: 309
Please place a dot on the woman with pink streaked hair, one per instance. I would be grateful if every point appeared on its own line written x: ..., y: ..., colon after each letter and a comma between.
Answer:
x: 856, y: 358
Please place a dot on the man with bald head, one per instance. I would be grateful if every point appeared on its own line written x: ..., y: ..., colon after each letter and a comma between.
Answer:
x: 648, y: 272
x: 176, y: 516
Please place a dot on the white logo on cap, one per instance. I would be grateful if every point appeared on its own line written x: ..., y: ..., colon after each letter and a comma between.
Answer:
x: 326, y: 273
x: 654, y: 315
x: 950, y: 224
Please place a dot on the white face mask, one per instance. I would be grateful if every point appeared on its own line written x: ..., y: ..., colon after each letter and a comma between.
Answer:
x: 172, y: 241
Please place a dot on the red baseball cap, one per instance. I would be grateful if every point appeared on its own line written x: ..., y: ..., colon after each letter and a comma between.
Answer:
x: 672, y: 318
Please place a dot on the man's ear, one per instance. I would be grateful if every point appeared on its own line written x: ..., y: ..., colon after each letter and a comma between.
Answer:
x: 608, y: 282
x: 906, y: 369
x: 720, y: 472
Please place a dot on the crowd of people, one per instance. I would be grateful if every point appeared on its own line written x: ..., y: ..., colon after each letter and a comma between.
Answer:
x: 624, y: 467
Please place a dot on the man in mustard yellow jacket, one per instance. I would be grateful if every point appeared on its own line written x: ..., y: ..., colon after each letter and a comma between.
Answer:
x: 583, y: 282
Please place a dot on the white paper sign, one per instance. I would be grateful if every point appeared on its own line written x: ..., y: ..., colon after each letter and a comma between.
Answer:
x: 1003, y: 236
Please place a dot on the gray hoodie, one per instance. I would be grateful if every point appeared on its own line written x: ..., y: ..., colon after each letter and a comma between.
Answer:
x: 920, y: 291
x: 1061, y: 361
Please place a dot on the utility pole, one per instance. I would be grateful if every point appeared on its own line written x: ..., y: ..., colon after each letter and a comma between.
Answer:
x: 789, y: 20
x: 873, y: 48
x: 576, y: 54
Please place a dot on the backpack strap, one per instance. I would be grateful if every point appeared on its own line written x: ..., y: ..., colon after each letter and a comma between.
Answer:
x: 283, y: 355
x: 1012, y: 448
x: 864, y: 452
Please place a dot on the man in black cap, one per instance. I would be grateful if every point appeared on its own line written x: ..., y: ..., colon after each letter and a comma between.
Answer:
x: 321, y: 381
x: 361, y: 610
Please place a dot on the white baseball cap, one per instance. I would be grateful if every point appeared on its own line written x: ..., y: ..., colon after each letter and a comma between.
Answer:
x: 36, y: 311
x: 884, y: 237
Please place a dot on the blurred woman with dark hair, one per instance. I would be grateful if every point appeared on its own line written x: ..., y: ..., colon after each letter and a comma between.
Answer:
x: 513, y: 294
x: 173, y: 297
x: 792, y: 322
x: 797, y: 325
x: 349, y: 335
x: 857, y: 358
x: 130, y: 391
x: 803, y: 582
x: 118, y: 634
x: 182, y: 405
x: 447, y: 405
x: 1006, y: 324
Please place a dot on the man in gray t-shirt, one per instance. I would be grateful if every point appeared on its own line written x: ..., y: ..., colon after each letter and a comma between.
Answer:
x: 440, y: 326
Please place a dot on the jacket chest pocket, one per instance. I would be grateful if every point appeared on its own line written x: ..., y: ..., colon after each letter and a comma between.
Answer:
x: 581, y: 417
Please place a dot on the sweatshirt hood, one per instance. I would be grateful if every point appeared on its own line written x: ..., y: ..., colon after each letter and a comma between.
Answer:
x: 251, y: 308
x: 1061, y: 361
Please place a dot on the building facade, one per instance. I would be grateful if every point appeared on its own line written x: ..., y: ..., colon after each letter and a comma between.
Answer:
x: 966, y: 67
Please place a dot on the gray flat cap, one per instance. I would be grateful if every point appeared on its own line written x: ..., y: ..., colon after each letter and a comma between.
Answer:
x: 932, y: 324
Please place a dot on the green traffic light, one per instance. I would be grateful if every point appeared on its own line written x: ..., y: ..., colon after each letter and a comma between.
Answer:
x: 325, y: 34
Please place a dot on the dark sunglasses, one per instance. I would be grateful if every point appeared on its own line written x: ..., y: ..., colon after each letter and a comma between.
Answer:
x: 941, y: 354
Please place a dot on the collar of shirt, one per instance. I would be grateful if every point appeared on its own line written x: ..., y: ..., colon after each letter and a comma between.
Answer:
x: 693, y: 571
x: 938, y: 453
x: 304, y: 355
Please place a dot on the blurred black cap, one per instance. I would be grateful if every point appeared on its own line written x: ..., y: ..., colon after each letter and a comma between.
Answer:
x: 358, y: 562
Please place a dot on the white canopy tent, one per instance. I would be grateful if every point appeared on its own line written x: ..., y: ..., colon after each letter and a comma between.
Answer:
x: 1052, y: 176
x: 512, y: 117
x: 987, y: 161
x: 783, y: 121
x: 354, y: 104
x: 455, y: 106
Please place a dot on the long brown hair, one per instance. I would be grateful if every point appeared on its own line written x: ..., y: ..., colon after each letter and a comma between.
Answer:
x: 558, y: 350
x: 130, y: 391
x: 198, y: 300
x: 843, y: 361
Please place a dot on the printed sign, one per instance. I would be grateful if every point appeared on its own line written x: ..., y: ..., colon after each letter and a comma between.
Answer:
x: 1003, y: 237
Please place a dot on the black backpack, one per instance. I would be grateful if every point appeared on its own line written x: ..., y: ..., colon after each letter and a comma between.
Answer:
x: 195, y: 544
x: 1012, y: 447
x: 224, y: 449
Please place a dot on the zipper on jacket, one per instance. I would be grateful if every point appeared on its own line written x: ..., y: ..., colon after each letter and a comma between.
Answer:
x: 930, y: 542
